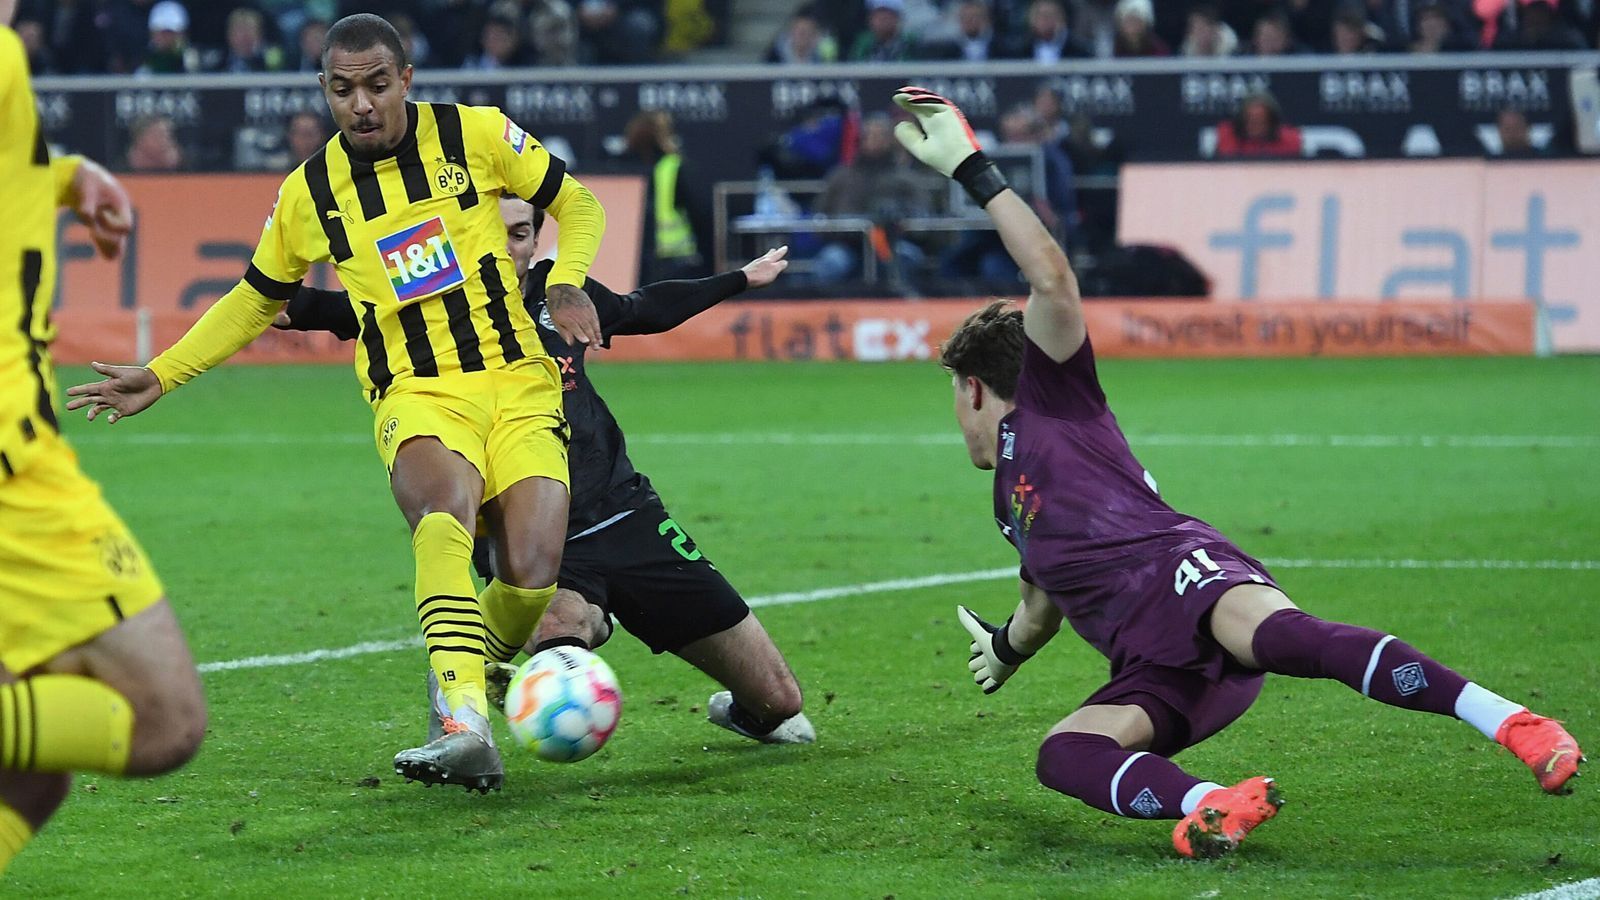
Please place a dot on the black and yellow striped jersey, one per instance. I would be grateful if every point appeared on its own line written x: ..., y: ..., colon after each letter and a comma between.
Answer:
x: 28, y: 198
x: 417, y: 239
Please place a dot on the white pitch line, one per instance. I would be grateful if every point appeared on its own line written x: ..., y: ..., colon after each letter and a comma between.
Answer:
x: 1588, y: 889
x: 925, y: 581
x: 940, y: 439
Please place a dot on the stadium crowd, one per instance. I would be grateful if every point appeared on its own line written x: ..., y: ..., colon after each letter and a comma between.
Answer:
x: 65, y: 37
x: 165, y: 36
x: 1049, y: 31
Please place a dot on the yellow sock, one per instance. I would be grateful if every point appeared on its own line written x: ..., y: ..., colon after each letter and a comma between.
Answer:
x: 64, y: 723
x: 510, y: 614
x: 15, y: 832
x: 452, y: 623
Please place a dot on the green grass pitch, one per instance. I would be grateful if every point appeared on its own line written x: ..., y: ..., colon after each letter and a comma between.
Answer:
x: 262, y: 501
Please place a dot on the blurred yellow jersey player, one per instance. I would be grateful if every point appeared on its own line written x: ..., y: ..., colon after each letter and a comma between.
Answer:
x: 468, y: 416
x: 94, y: 673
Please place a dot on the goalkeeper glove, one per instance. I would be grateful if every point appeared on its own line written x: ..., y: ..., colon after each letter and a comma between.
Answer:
x: 993, y: 657
x: 941, y: 138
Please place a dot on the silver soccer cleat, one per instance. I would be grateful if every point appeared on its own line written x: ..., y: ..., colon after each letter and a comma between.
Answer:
x: 460, y: 755
x: 497, y: 678
x: 794, y: 730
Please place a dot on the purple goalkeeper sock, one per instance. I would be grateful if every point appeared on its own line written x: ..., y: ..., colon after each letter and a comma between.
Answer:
x: 1096, y: 770
x: 1290, y: 642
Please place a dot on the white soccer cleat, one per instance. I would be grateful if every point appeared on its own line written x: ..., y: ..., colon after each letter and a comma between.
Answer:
x: 796, y: 729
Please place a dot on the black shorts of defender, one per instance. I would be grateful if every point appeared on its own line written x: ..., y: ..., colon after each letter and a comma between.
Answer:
x: 645, y: 570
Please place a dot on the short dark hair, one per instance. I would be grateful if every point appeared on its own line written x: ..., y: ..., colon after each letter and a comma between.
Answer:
x: 361, y: 32
x: 538, y: 219
x: 987, y: 345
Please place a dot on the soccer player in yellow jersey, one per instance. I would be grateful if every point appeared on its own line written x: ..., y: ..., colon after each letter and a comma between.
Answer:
x: 403, y: 201
x: 94, y: 672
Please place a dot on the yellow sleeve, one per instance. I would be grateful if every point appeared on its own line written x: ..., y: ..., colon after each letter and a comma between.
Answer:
x: 244, y: 312
x: 526, y: 169
x: 62, y: 170
x: 583, y: 221
x: 232, y: 322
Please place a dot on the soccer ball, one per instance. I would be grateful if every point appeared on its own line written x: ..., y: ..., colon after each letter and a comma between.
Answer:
x: 563, y: 704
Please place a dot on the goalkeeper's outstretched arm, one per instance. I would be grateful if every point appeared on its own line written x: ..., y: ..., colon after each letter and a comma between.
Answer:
x: 941, y: 137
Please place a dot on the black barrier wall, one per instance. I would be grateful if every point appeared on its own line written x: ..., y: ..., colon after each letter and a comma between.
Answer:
x: 1157, y: 110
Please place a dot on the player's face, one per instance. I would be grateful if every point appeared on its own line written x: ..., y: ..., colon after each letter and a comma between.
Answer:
x: 977, y: 429
x: 522, y: 240
x: 366, y: 91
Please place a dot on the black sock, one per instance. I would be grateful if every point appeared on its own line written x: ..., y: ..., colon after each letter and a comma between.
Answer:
x: 748, y: 723
x: 568, y: 641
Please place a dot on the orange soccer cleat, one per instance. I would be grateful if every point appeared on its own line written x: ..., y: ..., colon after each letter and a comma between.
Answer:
x: 1224, y: 817
x: 1544, y: 746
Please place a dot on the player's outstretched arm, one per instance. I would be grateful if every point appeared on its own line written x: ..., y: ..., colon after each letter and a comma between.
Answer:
x: 997, y: 652
x: 940, y: 136
x: 314, y: 309
x: 664, y: 305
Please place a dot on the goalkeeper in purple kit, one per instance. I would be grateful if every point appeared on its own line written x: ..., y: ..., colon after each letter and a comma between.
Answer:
x: 1189, y: 622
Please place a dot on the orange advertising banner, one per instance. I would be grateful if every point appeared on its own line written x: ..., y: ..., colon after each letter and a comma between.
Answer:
x: 876, y: 330
x: 884, y: 330
x: 192, y: 239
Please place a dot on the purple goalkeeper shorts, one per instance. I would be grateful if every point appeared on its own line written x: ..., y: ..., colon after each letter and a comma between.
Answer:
x: 1163, y: 657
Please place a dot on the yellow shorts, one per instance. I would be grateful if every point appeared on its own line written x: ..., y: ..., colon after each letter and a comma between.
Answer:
x: 69, y: 569
x: 507, y: 422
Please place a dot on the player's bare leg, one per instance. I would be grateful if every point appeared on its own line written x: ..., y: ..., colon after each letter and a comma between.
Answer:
x: 439, y: 492
x: 763, y: 699
x: 1262, y: 628
x: 1098, y: 755
x: 127, y: 702
x: 528, y: 522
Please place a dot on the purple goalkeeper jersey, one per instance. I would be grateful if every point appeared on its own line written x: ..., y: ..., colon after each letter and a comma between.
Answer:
x: 1089, y: 524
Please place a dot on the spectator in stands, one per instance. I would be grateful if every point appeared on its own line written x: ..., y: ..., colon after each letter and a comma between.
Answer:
x: 1273, y: 35
x: 1352, y: 34
x: 1207, y: 34
x: 248, y: 50
x: 1051, y: 111
x: 553, y: 32
x: 620, y: 32
x: 153, y: 145
x: 1136, y: 36
x: 885, y: 39
x: 169, y: 49
x: 975, y: 39
x: 419, y: 51
x: 677, y: 219
x: 1516, y: 142
x: 1435, y: 32
x: 31, y: 33
x: 303, y: 136
x: 1057, y: 204
x: 1258, y: 131
x: 1048, y: 40
x: 308, y: 45
x: 882, y: 185
x: 1539, y: 27
x: 499, y: 46
x: 803, y: 40
x: 823, y: 136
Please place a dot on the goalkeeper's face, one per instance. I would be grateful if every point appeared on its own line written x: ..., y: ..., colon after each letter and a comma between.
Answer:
x: 978, y: 412
x: 366, y: 91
